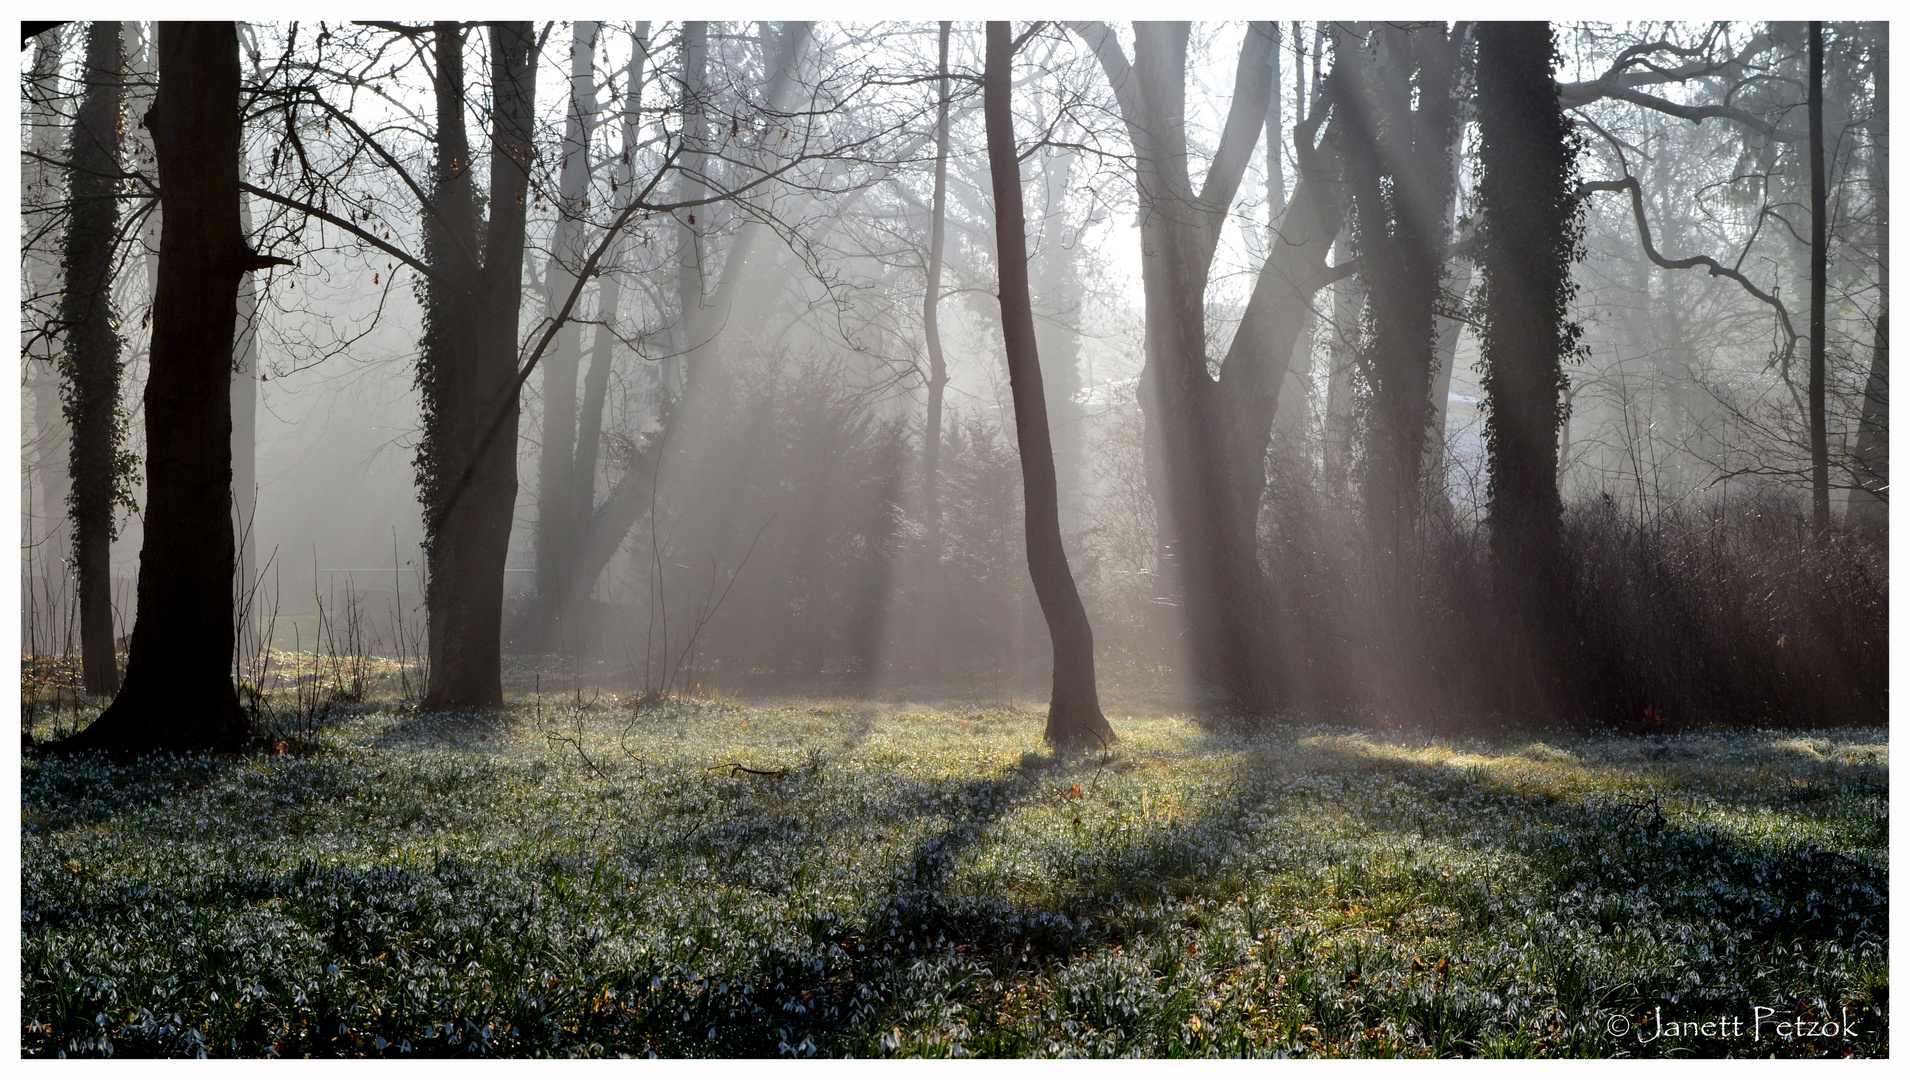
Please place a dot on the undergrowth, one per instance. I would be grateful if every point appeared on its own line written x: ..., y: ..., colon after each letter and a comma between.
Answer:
x: 705, y: 878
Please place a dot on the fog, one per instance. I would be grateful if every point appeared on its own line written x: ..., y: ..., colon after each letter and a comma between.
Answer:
x: 767, y: 388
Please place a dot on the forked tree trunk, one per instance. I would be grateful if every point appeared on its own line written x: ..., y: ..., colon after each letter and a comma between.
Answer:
x: 559, y: 518
x: 178, y: 690
x: 1074, y: 710
x: 468, y: 459
x: 92, y: 363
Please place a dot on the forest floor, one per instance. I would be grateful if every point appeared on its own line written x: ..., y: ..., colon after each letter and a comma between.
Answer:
x: 841, y: 878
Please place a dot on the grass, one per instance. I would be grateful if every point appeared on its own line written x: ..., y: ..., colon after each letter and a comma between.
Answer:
x: 578, y: 879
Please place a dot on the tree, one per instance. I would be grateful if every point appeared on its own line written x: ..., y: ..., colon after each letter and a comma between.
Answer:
x: 91, y: 367
x: 467, y: 368
x: 558, y: 513
x: 1820, y: 276
x: 1395, y: 100
x: 937, y: 363
x: 1074, y: 710
x: 1868, y: 511
x: 1529, y: 239
x: 42, y: 190
x: 1206, y: 436
x: 178, y: 691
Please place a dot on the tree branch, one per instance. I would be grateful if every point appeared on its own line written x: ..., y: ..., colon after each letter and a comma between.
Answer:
x: 1716, y: 268
x: 1246, y: 115
x: 308, y: 208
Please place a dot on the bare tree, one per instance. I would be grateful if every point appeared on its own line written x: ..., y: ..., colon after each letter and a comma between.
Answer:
x: 91, y: 366
x: 1820, y: 279
x: 1530, y: 240
x: 468, y: 368
x: 1074, y: 710
x: 929, y: 654
x: 178, y: 689
x: 1202, y: 431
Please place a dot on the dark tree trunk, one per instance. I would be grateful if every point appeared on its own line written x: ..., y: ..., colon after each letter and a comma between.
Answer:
x: 92, y: 363
x: 1398, y: 179
x: 467, y: 461
x: 178, y: 691
x: 1820, y: 274
x: 1074, y: 711
x: 1529, y: 237
x: 928, y: 650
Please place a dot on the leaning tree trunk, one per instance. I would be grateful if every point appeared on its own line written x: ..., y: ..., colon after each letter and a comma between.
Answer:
x: 1820, y: 276
x: 1074, y: 710
x: 468, y: 458
x: 1528, y: 241
x: 92, y: 363
x: 178, y: 690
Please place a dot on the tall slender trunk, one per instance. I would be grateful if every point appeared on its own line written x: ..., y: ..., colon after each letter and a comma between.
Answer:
x: 558, y: 516
x: 1276, y: 159
x: 1074, y: 710
x: 245, y: 427
x: 1529, y: 237
x: 468, y: 459
x: 690, y: 186
x: 1869, y: 509
x: 178, y: 690
x: 1056, y: 289
x: 928, y: 651
x: 91, y: 366
x: 41, y: 191
x: 1820, y: 275
x: 587, y: 566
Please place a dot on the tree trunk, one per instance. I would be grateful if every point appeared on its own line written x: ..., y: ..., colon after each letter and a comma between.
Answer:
x: 1820, y: 275
x: 619, y: 511
x: 178, y: 690
x: 1211, y: 564
x: 1528, y: 238
x: 1349, y: 301
x: 91, y: 365
x: 690, y: 186
x: 1074, y: 710
x: 42, y: 191
x: 245, y: 430
x: 928, y: 651
x: 1398, y: 181
x: 1869, y: 509
x: 1057, y: 292
x: 558, y: 517
x: 468, y: 459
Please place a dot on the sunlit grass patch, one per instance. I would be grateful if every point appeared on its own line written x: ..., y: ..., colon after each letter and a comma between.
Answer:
x: 832, y: 877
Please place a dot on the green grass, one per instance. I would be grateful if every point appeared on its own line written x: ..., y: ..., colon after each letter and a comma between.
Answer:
x: 601, y: 882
